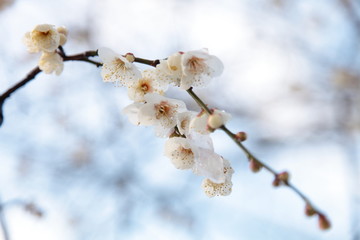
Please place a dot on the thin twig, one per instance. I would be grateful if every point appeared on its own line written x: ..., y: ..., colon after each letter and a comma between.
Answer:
x: 3, y: 224
x: 250, y: 156
x: 84, y: 57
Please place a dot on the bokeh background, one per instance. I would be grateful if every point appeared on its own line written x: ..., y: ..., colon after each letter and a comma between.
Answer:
x: 291, y: 81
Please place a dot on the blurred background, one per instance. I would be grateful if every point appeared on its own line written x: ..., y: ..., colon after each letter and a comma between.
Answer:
x: 291, y: 82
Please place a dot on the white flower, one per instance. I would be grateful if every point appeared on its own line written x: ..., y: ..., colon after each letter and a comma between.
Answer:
x: 217, y: 119
x: 63, y: 35
x: 144, y: 85
x: 198, y: 67
x: 189, y: 69
x: 180, y: 152
x: 51, y: 62
x: 213, y: 189
x: 170, y: 70
x: 117, y: 68
x: 43, y: 37
x: 183, y: 122
x: 199, y: 123
x: 157, y: 111
x: 132, y: 111
x: 209, y: 164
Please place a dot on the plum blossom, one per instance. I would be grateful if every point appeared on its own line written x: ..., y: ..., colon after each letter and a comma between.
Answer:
x: 145, y: 85
x: 170, y: 70
x: 43, y: 37
x: 199, y: 123
x: 183, y: 122
x: 209, y: 164
x: 63, y: 31
x: 213, y: 189
x: 51, y: 62
x: 157, y: 111
x: 117, y: 68
x: 198, y: 68
x: 180, y: 152
x: 190, y: 69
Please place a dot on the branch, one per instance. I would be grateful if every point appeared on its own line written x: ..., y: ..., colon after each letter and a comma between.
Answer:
x: 280, y: 178
x: 3, y: 224
x: 350, y: 9
x: 84, y: 57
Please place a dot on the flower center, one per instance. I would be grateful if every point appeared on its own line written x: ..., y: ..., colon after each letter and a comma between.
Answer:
x: 144, y: 87
x: 186, y: 151
x: 119, y: 64
x: 163, y: 109
x: 196, y: 65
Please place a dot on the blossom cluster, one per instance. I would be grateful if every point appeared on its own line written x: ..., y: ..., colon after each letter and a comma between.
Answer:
x: 189, y: 145
x: 45, y: 38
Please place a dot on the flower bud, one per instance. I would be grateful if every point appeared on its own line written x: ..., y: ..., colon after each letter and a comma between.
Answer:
x: 276, y: 182
x: 215, y: 121
x: 130, y: 57
x: 241, y: 136
x: 283, y: 177
x: 63, y: 30
x: 63, y: 39
x: 309, y: 210
x: 324, y: 223
x: 254, y: 165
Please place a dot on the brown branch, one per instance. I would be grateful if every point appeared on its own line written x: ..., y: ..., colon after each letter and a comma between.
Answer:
x: 281, y: 178
x: 84, y: 57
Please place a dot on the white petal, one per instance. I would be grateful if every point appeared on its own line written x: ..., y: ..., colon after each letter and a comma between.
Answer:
x: 132, y: 111
x: 209, y: 164
x: 179, y: 150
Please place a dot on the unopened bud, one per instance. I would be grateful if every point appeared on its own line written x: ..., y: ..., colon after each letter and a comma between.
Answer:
x: 283, y: 176
x: 276, y: 182
x: 215, y: 121
x: 241, y: 136
x: 63, y: 30
x: 254, y: 165
x: 309, y: 210
x: 130, y: 57
x: 324, y: 223
x: 63, y: 39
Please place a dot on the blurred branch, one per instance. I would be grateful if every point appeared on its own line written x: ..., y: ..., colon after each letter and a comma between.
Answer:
x: 350, y: 9
x: 3, y: 224
x: 28, y: 206
x: 84, y: 57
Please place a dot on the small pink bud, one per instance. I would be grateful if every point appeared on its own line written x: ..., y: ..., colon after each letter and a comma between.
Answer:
x: 309, y: 210
x: 241, y: 136
x: 283, y: 177
x: 254, y: 165
x: 276, y: 182
x: 324, y: 223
